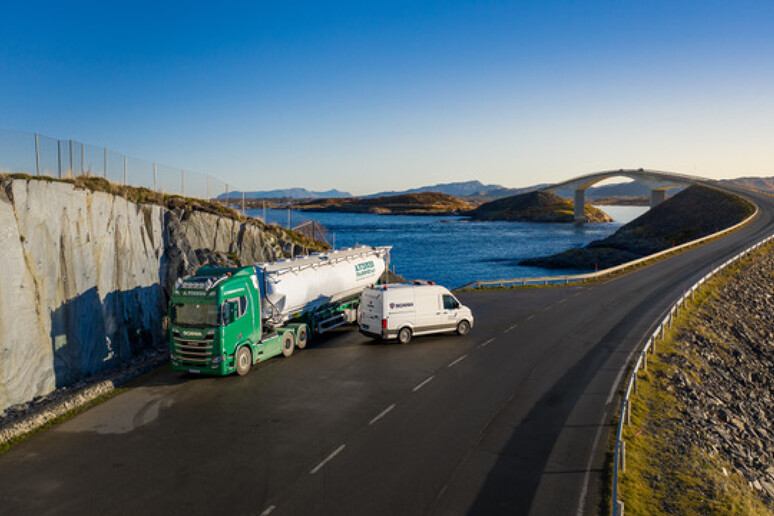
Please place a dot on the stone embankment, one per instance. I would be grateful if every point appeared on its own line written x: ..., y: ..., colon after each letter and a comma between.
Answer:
x: 704, y: 439
x: 728, y: 389
x: 86, y: 277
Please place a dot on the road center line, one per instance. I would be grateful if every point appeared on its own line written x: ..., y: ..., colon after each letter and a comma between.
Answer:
x: 485, y: 343
x: 428, y: 380
x: 268, y: 510
x: 460, y: 359
x: 382, y: 414
x: 530, y: 317
x: 327, y: 459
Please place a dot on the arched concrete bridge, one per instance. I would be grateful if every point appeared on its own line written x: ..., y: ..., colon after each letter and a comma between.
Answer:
x: 658, y: 182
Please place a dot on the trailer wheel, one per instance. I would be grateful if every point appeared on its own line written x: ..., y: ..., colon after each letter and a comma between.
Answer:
x: 463, y: 327
x: 244, y: 360
x: 404, y: 335
x: 288, y: 343
x: 303, y: 337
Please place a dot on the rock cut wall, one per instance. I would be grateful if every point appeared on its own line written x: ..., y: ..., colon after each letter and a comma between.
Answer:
x: 86, y: 276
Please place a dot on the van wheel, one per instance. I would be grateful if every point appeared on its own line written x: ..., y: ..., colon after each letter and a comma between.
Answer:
x: 404, y: 335
x: 303, y: 337
x: 244, y: 361
x: 463, y: 327
x: 288, y: 343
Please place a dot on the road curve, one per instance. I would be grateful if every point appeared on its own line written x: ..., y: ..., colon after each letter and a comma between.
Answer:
x: 512, y: 419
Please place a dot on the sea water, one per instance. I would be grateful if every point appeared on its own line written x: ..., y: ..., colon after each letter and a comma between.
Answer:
x: 453, y: 251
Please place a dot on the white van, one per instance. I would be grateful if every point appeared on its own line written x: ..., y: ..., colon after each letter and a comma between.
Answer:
x: 404, y: 310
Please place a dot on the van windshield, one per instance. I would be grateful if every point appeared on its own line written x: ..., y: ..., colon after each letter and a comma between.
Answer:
x: 195, y: 316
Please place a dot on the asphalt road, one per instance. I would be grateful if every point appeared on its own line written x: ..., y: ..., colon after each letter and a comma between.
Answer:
x: 512, y: 419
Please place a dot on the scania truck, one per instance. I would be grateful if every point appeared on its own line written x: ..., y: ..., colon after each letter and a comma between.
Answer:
x: 224, y: 320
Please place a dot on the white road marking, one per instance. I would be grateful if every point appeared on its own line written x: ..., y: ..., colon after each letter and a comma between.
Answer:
x: 509, y: 328
x: 485, y: 343
x: 582, y: 499
x: 415, y: 389
x: 382, y: 414
x: 268, y: 510
x: 530, y: 317
x: 327, y: 459
x: 460, y: 359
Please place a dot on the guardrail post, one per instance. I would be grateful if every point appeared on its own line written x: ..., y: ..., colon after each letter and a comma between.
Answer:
x: 645, y: 362
x: 620, y: 508
x: 628, y: 411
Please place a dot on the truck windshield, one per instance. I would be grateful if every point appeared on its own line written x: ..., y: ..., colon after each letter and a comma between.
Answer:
x: 195, y: 316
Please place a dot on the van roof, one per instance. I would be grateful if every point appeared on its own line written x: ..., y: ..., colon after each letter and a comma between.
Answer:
x: 394, y: 286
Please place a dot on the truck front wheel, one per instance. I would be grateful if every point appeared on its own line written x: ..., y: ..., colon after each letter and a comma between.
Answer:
x: 244, y: 361
x: 288, y: 343
x: 404, y: 335
x: 463, y: 327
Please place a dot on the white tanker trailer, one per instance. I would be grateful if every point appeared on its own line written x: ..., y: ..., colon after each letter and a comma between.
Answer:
x: 223, y: 320
x: 295, y: 286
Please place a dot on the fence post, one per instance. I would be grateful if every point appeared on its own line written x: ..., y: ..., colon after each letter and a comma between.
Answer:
x: 126, y: 163
x: 155, y: 178
x: 37, y: 154
x: 104, y: 170
x: 59, y: 157
x: 70, y: 173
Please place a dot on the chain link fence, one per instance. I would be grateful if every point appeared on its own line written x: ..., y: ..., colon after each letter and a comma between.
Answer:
x: 39, y: 155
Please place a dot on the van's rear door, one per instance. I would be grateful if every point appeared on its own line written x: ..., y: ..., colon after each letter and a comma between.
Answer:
x: 371, y: 310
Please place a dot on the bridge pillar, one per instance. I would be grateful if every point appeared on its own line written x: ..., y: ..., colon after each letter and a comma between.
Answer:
x: 657, y: 197
x: 580, y: 203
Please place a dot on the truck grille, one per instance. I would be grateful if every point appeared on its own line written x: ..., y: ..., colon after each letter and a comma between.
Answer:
x: 197, y: 351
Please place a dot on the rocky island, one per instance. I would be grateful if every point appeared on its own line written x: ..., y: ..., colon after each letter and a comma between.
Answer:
x: 425, y: 203
x: 536, y: 206
x: 695, y: 212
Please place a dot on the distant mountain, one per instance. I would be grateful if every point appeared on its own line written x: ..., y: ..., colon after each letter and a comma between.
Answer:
x: 765, y: 184
x: 288, y: 193
x: 460, y: 189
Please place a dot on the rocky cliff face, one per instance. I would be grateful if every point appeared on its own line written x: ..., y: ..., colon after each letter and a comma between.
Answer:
x: 86, y: 277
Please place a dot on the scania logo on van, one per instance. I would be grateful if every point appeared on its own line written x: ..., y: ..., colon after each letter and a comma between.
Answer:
x: 191, y: 333
x: 364, y: 269
x: 400, y: 305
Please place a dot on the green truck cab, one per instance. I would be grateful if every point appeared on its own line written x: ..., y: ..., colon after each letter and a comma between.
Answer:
x: 215, y: 323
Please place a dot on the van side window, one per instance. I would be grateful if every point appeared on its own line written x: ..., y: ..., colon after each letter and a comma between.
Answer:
x: 449, y: 303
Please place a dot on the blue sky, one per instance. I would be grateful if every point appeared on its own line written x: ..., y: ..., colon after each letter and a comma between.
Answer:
x: 366, y: 96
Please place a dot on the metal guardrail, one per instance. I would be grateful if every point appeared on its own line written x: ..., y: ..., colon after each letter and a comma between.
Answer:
x: 619, y: 460
x: 566, y: 280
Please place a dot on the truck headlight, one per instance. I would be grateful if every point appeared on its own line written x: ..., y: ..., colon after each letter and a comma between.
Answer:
x: 217, y: 360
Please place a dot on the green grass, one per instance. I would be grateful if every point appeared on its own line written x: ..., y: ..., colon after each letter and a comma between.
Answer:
x: 663, y: 479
